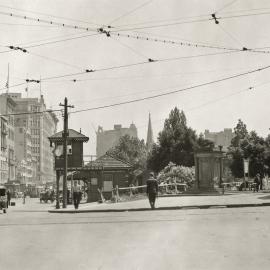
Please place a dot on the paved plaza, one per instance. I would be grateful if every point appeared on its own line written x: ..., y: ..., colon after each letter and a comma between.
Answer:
x: 213, y: 238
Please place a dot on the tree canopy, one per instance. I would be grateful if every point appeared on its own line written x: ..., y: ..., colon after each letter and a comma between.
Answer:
x: 250, y: 146
x: 176, y: 143
x: 132, y: 150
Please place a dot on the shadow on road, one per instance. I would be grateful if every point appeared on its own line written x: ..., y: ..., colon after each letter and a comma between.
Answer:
x: 267, y: 197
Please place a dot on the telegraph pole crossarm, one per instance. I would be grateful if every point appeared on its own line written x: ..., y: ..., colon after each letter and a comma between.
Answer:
x: 65, y: 139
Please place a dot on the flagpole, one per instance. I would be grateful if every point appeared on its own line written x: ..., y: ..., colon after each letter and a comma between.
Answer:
x: 7, y: 84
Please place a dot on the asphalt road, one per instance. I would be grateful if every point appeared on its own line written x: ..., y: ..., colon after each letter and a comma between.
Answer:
x: 32, y: 238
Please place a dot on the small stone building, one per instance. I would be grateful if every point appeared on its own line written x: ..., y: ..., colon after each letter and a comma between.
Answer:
x: 104, y: 174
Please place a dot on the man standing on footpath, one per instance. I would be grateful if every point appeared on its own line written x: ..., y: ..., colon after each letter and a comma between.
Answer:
x: 76, y: 195
x: 8, y: 198
x: 152, y: 190
x: 256, y: 182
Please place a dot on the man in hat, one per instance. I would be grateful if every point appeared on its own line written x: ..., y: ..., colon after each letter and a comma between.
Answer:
x: 152, y: 190
x: 256, y: 182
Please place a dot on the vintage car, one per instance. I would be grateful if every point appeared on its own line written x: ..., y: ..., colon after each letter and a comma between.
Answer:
x: 3, y: 199
x: 46, y: 196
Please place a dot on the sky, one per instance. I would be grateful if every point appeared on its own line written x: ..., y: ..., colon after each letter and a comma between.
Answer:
x: 194, y: 69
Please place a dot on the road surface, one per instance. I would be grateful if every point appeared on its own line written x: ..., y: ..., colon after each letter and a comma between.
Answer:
x: 32, y: 238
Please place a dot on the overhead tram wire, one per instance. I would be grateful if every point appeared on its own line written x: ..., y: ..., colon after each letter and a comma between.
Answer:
x: 182, y: 43
x: 50, y: 22
x: 27, y: 25
x: 117, y: 67
x: 48, y: 15
x: 31, y: 113
x: 232, y: 37
x: 56, y: 61
x: 52, y: 42
x: 12, y: 86
x: 146, y: 76
x: 226, y: 5
x: 137, y: 64
x: 175, y: 91
x: 51, y: 38
x: 130, y: 48
x: 142, y: 63
x: 61, y: 40
x: 205, y: 16
x: 158, y: 95
x: 190, y: 21
x: 77, y: 27
x: 116, y: 32
x: 189, y: 17
x: 131, y: 11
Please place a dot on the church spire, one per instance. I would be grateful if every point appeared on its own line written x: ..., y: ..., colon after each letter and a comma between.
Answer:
x: 149, y: 140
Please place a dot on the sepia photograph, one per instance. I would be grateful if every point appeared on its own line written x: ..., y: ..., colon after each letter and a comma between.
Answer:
x: 132, y: 135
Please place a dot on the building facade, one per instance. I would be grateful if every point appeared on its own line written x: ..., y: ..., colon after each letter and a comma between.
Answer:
x: 36, y: 127
x: 107, y: 139
x: 3, y: 150
x: 23, y: 153
x: 222, y: 138
x: 8, y: 163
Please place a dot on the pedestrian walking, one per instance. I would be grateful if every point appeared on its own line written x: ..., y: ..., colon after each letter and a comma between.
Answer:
x: 8, y: 198
x: 257, y: 181
x: 24, y: 196
x: 76, y: 195
x: 152, y: 190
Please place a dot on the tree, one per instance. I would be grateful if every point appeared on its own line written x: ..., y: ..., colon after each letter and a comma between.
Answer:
x: 177, y: 174
x: 131, y: 150
x: 247, y: 145
x: 176, y: 143
x: 240, y: 132
x: 204, y: 144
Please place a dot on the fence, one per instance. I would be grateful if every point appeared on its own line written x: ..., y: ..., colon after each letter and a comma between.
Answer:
x: 118, y: 193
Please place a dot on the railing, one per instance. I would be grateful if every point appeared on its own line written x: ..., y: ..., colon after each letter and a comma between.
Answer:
x: 132, y: 189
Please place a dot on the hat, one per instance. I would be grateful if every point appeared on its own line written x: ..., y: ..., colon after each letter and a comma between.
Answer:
x: 152, y: 174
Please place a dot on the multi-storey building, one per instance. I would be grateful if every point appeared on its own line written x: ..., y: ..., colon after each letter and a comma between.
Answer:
x: 222, y: 138
x: 107, y: 139
x: 39, y: 126
x: 3, y: 150
x: 23, y: 154
x: 7, y: 107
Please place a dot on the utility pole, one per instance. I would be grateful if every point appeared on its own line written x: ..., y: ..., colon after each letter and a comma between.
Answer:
x: 65, y: 139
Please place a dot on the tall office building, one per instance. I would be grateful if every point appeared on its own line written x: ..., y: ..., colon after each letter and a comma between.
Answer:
x: 221, y: 138
x: 107, y: 139
x: 3, y: 150
x: 7, y: 156
x: 38, y: 127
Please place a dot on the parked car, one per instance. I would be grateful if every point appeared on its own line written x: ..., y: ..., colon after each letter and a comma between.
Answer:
x: 46, y: 196
x: 3, y: 199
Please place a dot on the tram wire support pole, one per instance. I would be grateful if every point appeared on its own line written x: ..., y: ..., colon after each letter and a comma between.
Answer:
x: 65, y: 139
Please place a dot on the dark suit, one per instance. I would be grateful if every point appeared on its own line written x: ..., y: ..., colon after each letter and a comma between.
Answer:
x: 152, y: 190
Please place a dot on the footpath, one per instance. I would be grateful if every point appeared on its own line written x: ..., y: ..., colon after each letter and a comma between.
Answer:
x: 241, y: 199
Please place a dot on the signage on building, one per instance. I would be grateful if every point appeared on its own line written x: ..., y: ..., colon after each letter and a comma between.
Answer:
x: 246, y: 165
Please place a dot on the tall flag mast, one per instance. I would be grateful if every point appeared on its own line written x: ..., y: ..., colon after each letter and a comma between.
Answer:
x: 7, y: 83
